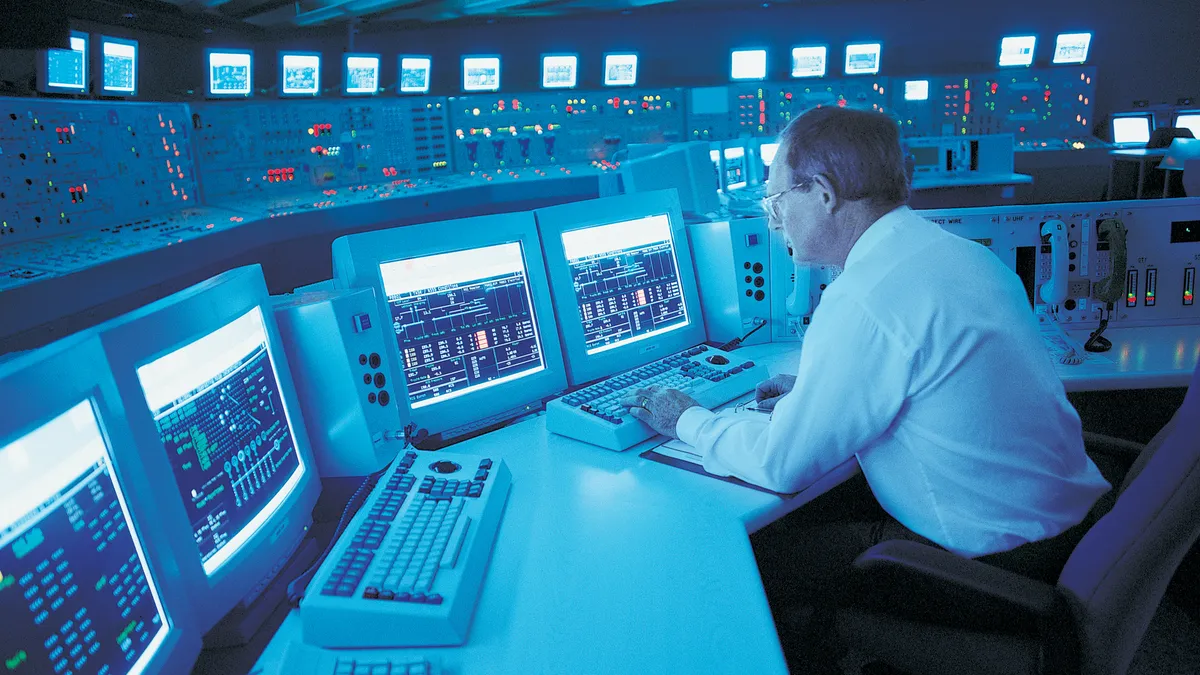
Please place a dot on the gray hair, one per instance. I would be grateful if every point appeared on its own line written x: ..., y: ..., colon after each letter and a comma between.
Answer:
x: 857, y: 150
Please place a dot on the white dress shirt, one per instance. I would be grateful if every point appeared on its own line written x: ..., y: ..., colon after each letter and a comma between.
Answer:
x: 924, y: 360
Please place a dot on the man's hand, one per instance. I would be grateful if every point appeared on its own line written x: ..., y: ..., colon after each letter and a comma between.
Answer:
x: 768, y: 392
x: 659, y: 408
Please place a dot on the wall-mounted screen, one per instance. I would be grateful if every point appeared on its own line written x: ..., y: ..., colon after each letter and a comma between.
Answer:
x: 863, y: 59
x: 361, y: 74
x: 414, y: 74
x: 481, y: 73
x: 916, y: 90
x: 620, y: 70
x: 65, y: 70
x: 300, y: 74
x: 1017, y: 50
x: 1072, y: 47
x: 559, y: 71
x: 119, y: 62
x: 748, y: 64
x: 809, y: 61
x: 230, y: 73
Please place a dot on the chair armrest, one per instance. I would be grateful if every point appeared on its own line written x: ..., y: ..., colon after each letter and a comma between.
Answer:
x: 933, y: 585
x: 1117, y: 448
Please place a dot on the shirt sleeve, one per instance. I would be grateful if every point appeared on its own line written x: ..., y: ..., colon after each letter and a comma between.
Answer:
x: 852, y: 381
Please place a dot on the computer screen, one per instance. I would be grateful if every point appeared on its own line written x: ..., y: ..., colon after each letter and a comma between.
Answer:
x: 809, y: 61
x: 65, y: 70
x: 1189, y: 119
x: 559, y: 71
x: 926, y: 157
x: 766, y: 152
x: 1072, y: 47
x: 211, y: 403
x: 414, y: 74
x: 621, y: 274
x: 481, y: 73
x: 1017, y: 50
x: 85, y: 585
x: 464, y: 321
x: 230, y: 73
x: 361, y: 76
x: 735, y: 168
x: 863, y: 59
x: 748, y: 64
x: 620, y: 70
x: 120, y: 66
x: 916, y: 90
x: 299, y: 74
x: 470, y: 307
x: 222, y: 421
x: 1132, y: 129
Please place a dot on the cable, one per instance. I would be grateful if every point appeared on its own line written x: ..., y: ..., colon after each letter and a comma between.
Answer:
x: 737, y: 342
x: 1096, y: 342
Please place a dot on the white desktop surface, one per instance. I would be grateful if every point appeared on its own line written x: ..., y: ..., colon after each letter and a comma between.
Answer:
x: 937, y: 181
x: 607, y: 562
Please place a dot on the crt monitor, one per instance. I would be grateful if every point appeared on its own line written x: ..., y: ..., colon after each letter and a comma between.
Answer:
x: 683, y: 167
x: 470, y: 309
x: 766, y: 152
x: 86, y: 584
x: 1190, y: 120
x: 210, y: 400
x: 733, y: 177
x: 65, y: 70
x: 1132, y: 129
x: 621, y: 275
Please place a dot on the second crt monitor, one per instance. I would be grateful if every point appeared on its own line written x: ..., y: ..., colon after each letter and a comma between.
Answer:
x: 623, y: 284
x: 468, y: 305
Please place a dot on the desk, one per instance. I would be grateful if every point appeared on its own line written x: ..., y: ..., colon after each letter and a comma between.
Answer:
x: 1145, y: 160
x: 964, y: 190
x: 610, y: 563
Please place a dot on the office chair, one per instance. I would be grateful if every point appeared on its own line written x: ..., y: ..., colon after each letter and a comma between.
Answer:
x: 930, y: 611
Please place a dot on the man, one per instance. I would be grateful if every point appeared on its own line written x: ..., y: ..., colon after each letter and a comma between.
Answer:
x: 922, y: 360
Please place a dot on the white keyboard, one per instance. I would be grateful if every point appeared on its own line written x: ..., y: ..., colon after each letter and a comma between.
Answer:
x: 408, y: 570
x: 595, y: 415
x: 302, y: 659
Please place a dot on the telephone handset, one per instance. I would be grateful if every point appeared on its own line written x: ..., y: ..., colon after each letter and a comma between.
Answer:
x: 1054, y: 290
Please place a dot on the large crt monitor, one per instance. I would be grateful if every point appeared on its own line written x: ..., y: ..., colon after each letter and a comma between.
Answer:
x: 683, y: 166
x: 210, y: 400
x: 86, y: 585
x: 469, y: 305
x: 623, y: 284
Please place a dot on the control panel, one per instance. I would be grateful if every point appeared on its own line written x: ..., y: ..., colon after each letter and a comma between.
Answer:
x: 70, y: 166
x: 252, y: 149
x: 499, y: 133
x: 764, y: 109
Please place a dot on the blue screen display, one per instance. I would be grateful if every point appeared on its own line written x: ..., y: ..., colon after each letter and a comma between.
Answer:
x: 626, y: 281
x: 463, y: 320
x: 226, y: 434
x: 74, y: 593
x: 64, y: 68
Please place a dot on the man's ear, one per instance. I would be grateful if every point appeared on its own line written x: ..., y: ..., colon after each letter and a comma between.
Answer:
x: 828, y: 196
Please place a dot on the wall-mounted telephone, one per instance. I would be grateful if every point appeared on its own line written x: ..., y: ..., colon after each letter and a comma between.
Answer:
x: 1054, y: 290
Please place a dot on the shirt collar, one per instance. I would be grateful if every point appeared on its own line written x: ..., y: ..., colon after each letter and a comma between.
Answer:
x: 876, y: 233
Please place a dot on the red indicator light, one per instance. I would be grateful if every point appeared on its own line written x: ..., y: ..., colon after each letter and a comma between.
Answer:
x: 967, y: 95
x: 1022, y: 129
x: 966, y: 108
x: 788, y: 96
x: 1024, y: 99
x: 568, y: 109
x: 842, y: 103
x: 616, y: 103
x: 645, y: 106
x: 762, y: 105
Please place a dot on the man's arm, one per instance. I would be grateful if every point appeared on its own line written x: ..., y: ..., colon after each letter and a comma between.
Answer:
x: 853, y: 379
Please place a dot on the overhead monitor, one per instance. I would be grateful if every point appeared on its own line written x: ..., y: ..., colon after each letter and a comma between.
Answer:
x: 414, y: 74
x: 863, y: 59
x: 748, y: 64
x: 360, y: 74
x: 621, y: 275
x: 299, y: 74
x: 684, y: 167
x: 211, y: 403
x: 481, y: 73
x: 1017, y: 50
x: 1132, y: 129
x: 916, y: 90
x: 735, y: 168
x: 809, y: 61
x: 1189, y: 119
x: 559, y: 71
x: 119, y: 75
x: 65, y: 70
x: 1072, y: 47
x: 86, y: 585
x: 471, y: 314
x: 230, y: 73
x: 620, y: 70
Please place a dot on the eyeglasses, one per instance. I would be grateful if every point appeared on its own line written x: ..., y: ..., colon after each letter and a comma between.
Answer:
x: 770, y: 203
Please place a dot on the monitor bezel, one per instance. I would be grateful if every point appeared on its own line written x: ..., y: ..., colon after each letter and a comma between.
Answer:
x: 1032, y: 52
x: 1112, y: 128
x: 283, y: 54
x: 77, y: 371
x: 137, y: 69
x: 1186, y: 113
x: 356, y: 261
x: 554, y: 220
x: 165, y: 326
x: 627, y: 54
x: 208, y: 90
x: 766, y: 64
x: 824, y: 62
x: 400, y: 74
x: 877, y: 47
x: 477, y: 90
x: 346, y: 73
x: 552, y: 87
x: 43, y: 66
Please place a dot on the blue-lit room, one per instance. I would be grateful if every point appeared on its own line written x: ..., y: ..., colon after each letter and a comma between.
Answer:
x: 591, y: 337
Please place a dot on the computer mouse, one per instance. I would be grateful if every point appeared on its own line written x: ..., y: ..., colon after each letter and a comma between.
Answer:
x: 717, y: 360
